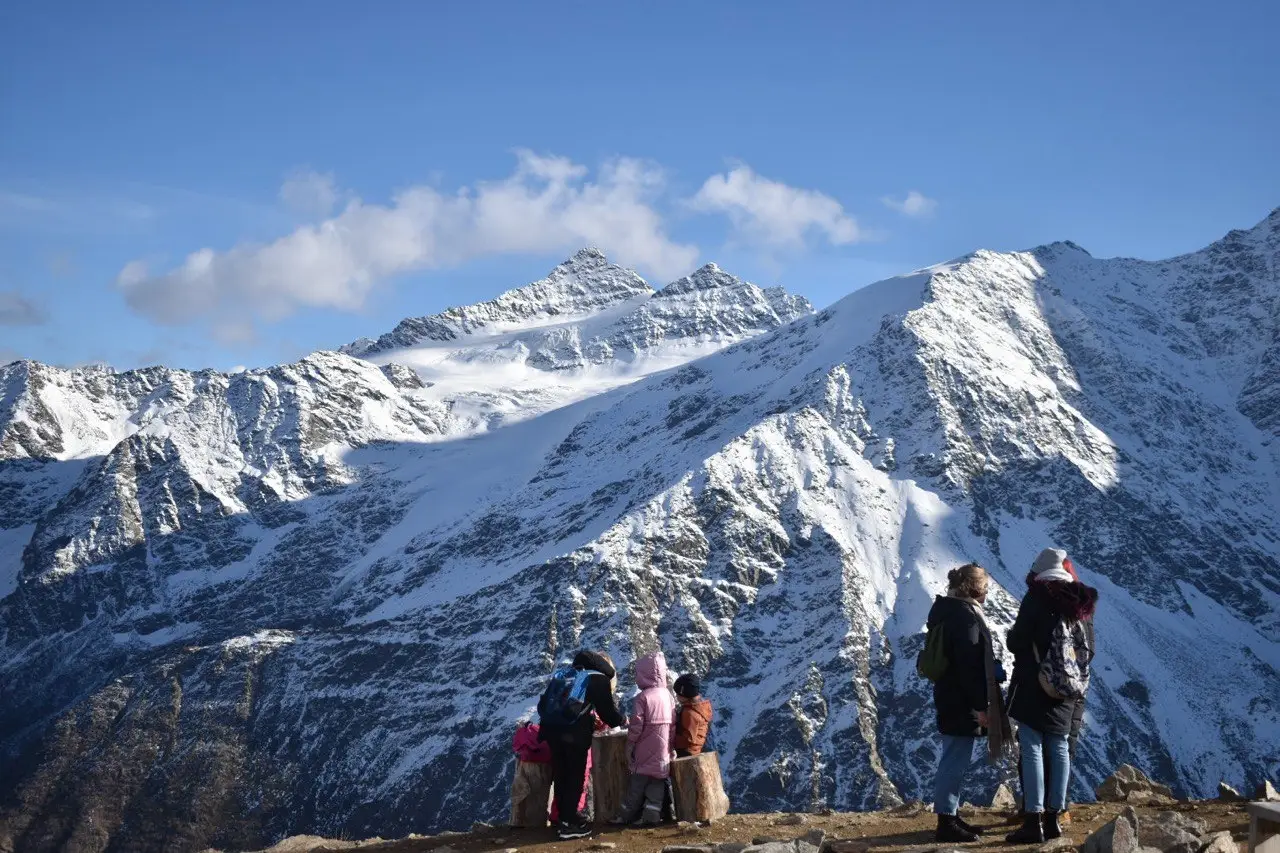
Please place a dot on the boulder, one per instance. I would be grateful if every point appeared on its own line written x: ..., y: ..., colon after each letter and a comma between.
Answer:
x: 1228, y: 794
x: 1220, y: 842
x: 1118, y: 836
x: 1172, y: 832
x: 815, y: 837
x: 1267, y: 792
x: 1130, y: 785
x: 731, y: 847
x: 679, y: 848
x: 1004, y: 798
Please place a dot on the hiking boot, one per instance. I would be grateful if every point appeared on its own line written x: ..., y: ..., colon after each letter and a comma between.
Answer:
x: 1052, y: 826
x: 968, y: 827
x: 569, y: 831
x: 951, y: 831
x: 1031, y: 831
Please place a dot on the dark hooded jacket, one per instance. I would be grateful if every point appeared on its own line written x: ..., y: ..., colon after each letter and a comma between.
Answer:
x: 600, y: 697
x: 961, y: 692
x: 1045, y: 604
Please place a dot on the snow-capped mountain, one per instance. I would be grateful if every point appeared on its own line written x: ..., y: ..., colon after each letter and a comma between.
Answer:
x: 316, y: 598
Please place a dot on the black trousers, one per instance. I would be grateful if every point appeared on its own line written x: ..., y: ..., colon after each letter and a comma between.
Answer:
x: 569, y: 767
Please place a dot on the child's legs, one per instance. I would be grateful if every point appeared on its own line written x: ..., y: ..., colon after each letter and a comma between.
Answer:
x: 632, y: 803
x: 654, y: 792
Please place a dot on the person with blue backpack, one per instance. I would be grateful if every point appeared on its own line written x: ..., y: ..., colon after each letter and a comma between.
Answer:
x: 1051, y: 641
x: 567, y: 726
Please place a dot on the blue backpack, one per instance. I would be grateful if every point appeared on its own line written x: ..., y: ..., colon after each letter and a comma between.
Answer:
x: 565, y: 700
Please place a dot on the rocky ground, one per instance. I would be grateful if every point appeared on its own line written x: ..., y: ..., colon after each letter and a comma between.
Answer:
x: 909, y: 828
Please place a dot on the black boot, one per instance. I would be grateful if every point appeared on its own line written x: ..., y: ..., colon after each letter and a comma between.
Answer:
x: 1052, y: 829
x: 1032, y: 831
x: 950, y: 831
x: 968, y: 827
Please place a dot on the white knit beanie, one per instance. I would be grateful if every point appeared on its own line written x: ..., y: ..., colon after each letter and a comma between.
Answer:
x: 1049, y: 566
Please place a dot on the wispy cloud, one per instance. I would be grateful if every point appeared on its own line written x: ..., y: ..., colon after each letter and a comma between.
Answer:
x: 18, y: 310
x: 773, y: 212
x: 72, y: 214
x: 547, y: 204
x: 309, y: 193
x: 916, y: 204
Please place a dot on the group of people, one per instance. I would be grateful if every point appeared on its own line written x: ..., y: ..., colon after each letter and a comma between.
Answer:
x: 1052, y: 643
x: 667, y: 721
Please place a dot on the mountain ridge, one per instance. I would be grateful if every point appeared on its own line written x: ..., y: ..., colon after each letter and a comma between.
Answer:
x: 777, y: 514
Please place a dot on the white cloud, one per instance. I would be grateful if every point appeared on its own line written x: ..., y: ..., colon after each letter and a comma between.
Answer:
x: 547, y: 204
x: 775, y: 212
x: 18, y: 310
x: 309, y: 193
x: 916, y: 204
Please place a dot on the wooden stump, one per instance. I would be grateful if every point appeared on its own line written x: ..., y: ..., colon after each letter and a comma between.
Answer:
x: 531, y: 794
x: 699, y: 789
x: 610, y: 774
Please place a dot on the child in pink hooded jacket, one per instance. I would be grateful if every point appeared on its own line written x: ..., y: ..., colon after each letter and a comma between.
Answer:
x: 649, y: 735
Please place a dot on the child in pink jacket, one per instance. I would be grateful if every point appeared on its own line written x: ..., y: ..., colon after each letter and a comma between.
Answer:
x: 649, y: 735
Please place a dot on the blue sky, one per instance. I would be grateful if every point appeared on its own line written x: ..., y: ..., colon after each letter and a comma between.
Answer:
x: 217, y: 184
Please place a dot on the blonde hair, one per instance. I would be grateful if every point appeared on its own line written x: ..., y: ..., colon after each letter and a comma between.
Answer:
x: 969, y: 581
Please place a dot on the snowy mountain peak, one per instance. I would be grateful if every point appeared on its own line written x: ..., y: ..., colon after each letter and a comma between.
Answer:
x: 583, y: 284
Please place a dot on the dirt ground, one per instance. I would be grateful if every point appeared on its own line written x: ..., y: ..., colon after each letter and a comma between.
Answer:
x: 904, y: 829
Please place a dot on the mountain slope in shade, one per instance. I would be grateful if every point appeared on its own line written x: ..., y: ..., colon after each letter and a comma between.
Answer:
x: 777, y: 515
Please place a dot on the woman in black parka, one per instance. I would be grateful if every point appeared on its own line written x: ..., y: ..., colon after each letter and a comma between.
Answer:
x: 1054, y: 593
x: 965, y: 693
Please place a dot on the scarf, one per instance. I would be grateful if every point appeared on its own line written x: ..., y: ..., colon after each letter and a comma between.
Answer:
x: 999, y: 730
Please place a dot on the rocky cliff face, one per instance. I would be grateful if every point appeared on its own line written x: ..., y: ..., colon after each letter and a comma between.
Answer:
x: 321, y: 594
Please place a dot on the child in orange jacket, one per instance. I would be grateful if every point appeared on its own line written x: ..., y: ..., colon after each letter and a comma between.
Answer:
x: 694, y: 718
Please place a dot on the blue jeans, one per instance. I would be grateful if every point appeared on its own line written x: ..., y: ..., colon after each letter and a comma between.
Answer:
x: 1036, y: 747
x: 957, y: 758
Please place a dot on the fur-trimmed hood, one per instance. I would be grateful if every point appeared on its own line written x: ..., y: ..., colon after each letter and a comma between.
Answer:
x: 1069, y: 599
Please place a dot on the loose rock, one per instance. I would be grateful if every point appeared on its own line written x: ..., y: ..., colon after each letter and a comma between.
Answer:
x: 683, y: 848
x: 1118, y: 836
x: 836, y: 845
x: 791, y: 820
x: 609, y: 845
x: 1267, y: 792
x: 1056, y: 845
x: 1228, y: 794
x: 731, y: 847
x: 815, y: 837
x: 1004, y: 798
x: 1220, y: 842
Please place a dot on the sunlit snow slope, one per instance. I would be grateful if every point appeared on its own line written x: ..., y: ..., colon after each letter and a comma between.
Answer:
x: 315, y: 599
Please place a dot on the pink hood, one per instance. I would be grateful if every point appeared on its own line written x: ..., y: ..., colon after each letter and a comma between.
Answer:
x: 653, y: 719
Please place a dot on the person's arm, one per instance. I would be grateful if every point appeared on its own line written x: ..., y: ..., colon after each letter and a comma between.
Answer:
x: 600, y: 696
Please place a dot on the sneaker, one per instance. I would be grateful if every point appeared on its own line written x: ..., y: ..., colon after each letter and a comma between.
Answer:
x: 951, y: 832
x: 569, y: 831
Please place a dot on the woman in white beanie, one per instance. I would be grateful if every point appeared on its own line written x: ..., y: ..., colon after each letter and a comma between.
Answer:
x: 1052, y: 616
